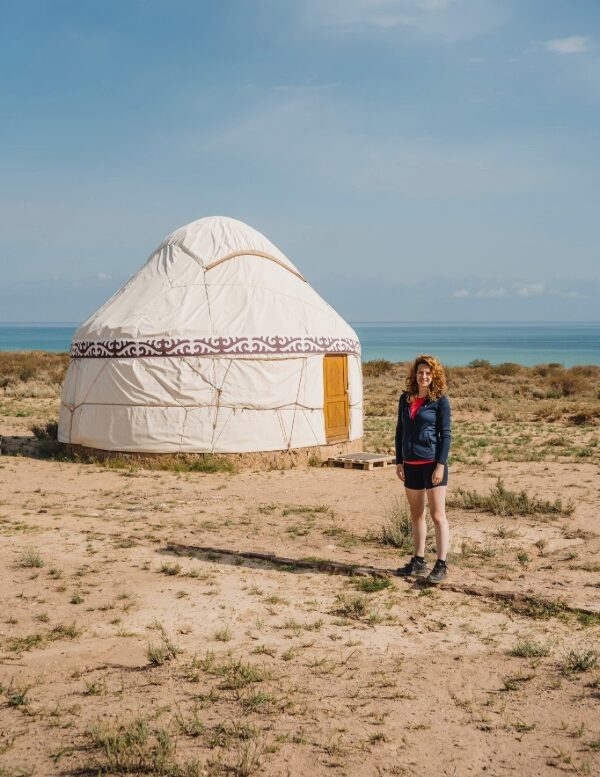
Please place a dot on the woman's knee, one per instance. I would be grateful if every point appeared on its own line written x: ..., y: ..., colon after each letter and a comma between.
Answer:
x: 438, y: 516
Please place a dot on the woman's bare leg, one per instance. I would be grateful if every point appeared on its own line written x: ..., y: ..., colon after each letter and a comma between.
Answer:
x: 416, y: 502
x: 436, y: 497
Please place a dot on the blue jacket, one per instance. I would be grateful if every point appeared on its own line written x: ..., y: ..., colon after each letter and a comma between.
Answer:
x: 427, y: 436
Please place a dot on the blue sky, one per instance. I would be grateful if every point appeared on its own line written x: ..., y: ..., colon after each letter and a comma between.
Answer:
x: 419, y: 160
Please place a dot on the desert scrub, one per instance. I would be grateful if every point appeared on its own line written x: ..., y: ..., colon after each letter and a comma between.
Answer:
x: 21, y: 644
x: 513, y: 682
x: 343, y: 537
x: 469, y: 549
x: 501, y: 501
x: 378, y: 367
x: 32, y: 373
x: 159, y: 653
x: 47, y: 438
x: 205, y: 462
x: 397, y: 528
x: 526, y: 648
x: 17, y: 697
x: 31, y: 641
x: 170, y: 569
x: 208, y: 463
x: 306, y: 509
x: 222, y: 635
x: 508, y: 392
x: 538, y: 608
x: 134, y: 747
x: 257, y: 701
x: 355, y: 607
x: 48, y: 431
x: 235, y: 673
x: 31, y: 558
x: 371, y: 585
x: 580, y: 661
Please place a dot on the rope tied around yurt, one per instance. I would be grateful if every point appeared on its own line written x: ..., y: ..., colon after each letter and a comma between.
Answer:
x: 235, y: 254
x: 219, y: 391
x: 300, y: 384
x: 251, y: 252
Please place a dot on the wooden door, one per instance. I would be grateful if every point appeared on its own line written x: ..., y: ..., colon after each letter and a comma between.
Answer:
x: 336, y: 408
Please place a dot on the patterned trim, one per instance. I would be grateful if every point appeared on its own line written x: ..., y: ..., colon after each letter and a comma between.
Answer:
x: 212, y: 346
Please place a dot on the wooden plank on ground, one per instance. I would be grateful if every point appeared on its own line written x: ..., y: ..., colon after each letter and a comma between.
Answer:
x: 364, y: 461
x: 515, y: 599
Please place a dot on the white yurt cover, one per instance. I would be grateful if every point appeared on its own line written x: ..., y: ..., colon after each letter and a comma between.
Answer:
x: 215, y: 345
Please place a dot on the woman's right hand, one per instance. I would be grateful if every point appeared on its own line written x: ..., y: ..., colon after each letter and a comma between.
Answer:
x: 400, y: 471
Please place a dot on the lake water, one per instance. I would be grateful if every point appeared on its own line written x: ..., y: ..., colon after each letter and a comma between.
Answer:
x: 459, y: 344
x: 454, y: 344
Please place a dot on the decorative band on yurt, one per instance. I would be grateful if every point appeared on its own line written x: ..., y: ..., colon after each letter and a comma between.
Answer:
x: 212, y: 346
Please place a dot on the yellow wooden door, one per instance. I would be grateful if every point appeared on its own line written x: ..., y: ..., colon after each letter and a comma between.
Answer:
x: 336, y: 409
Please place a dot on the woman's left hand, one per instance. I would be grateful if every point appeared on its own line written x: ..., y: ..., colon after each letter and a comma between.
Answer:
x: 438, y: 475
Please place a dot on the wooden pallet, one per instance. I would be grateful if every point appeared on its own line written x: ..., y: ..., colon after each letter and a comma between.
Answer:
x: 366, y: 461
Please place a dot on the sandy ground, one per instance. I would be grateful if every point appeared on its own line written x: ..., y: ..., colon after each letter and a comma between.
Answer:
x: 237, y: 667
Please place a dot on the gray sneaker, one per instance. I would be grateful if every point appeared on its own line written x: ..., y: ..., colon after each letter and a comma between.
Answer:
x: 438, y: 573
x: 414, y: 568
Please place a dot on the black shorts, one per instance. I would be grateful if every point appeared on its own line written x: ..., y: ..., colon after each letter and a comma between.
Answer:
x: 418, y: 476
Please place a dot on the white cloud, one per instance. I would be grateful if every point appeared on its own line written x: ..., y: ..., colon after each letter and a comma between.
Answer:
x: 576, y: 44
x: 102, y: 276
x: 523, y: 290
x: 445, y: 20
x: 493, y: 293
x: 531, y: 289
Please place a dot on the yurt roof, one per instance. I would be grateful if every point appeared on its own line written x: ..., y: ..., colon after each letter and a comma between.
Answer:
x: 214, y: 282
x: 220, y: 238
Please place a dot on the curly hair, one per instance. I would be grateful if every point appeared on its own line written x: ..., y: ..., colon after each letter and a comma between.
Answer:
x: 438, y: 384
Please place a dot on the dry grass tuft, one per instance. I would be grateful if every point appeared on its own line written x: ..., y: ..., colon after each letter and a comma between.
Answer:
x: 397, y: 529
x: 501, y: 501
x: 32, y: 373
x: 378, y: 367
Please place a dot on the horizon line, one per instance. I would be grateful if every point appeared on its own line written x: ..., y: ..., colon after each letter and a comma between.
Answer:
x: 355, y: 322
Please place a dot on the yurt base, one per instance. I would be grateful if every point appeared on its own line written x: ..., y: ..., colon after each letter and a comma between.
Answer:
x: 315, y: 455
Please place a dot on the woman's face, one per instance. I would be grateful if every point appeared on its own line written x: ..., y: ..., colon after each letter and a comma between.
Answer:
x: 424, y: 376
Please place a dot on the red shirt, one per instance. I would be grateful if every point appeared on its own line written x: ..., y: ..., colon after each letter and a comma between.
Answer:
x: 414, y: 406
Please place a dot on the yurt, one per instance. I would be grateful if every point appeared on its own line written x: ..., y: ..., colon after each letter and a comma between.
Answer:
x: 216, y: 345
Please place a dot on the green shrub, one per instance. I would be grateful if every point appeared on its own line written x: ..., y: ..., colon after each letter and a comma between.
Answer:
x: 582, y: 661
x: 353, y: 607
x: 525, y: 648
x: 377, y: 367
x: 506, y: 368
x: 31, y: 558
x: 47, y: 432
x: 371, y: 585
x: 132, y: 748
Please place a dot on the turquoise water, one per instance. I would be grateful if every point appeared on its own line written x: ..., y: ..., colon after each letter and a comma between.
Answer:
x: 454, y: 344
x: 36, y: 337
x: 459, y: 344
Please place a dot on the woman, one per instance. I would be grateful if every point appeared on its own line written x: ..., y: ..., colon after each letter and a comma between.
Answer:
x: 422, y: 447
